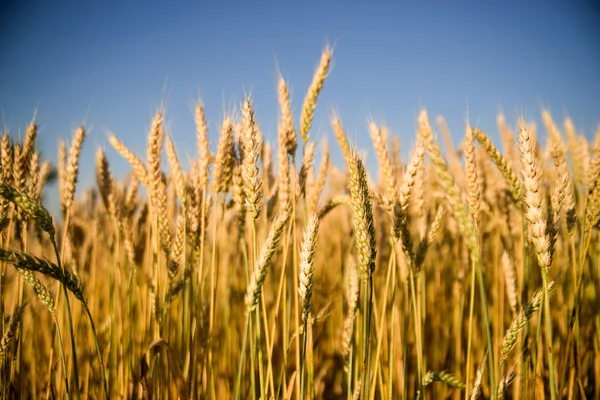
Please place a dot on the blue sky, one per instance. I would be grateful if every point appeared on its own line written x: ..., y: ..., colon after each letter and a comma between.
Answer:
x: 112, y: 65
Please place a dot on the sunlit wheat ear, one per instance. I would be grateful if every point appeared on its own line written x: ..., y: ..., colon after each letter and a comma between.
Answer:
x: 400, y: 226
x: 333, y: 203
x: 105, y: 183
x: 422, y: 180
x: 532, y: 196
x: 194, y: 197
x: 362, y: 218
x: 155, y: 143
x: 520, y: 321
x: 17, y: 171
x: 45, y: 171
x: 504, y: 383
x: 158, y: 192
x: 11, y: 330
x: 72, y: 168
x: 553, y: 133
x: 478, y: 376
x: 203, y: 146
x: 22, y: 157
x: 33, y: 176
x: 578, y: 147
x: 61, y: 168
x: 45, y: 267
x: 473, y: 182
x: 130, y: 197
x: 286, y: 141
x: 310, y: 101
x: 502, y: 164
x: 237, y: 193
x: 385, y: 163
x: 224, y: 162
x: 136, y: 164
x: 352, y: 293
x: 319, y: 185
x: 266, y: 257
x: 563, y: 196
x: 342, y: 140
x: 24, y: 202
x: 432, y: 232
x: 251, y: 144
x: 307, y: 167
x: 176, y: 250
x: 178, y: 175
x: 286, y: 128
x: 38, y: 288
x: 284, y: 179
x: 307, y: 255
x: 592, y: 208
x: 510, y: 276
x: 459, y: 209
x: 442, y: 376
x: 6, y: 158
x: 508, y: 140
x: 268, y: 177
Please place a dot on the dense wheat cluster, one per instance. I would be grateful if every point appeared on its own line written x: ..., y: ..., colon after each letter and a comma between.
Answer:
x: 264, y: 271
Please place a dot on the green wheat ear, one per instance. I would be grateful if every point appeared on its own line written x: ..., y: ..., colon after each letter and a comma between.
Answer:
x: 39, y: 214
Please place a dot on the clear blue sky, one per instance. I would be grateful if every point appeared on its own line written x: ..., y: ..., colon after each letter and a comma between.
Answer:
x: 111, y: 66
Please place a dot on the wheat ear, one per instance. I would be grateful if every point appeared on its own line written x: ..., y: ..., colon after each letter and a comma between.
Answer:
x: 251, y: 144
x: 24, y: 202
x: 502, y: 164
x: 310, y: 101
x: 442, y: 376
x: 72, y: 169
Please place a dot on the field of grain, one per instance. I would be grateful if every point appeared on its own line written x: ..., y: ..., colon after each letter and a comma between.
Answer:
x: 265, y: 272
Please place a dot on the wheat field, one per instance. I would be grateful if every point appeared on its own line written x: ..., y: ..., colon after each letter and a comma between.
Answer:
x: 265, y: 272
